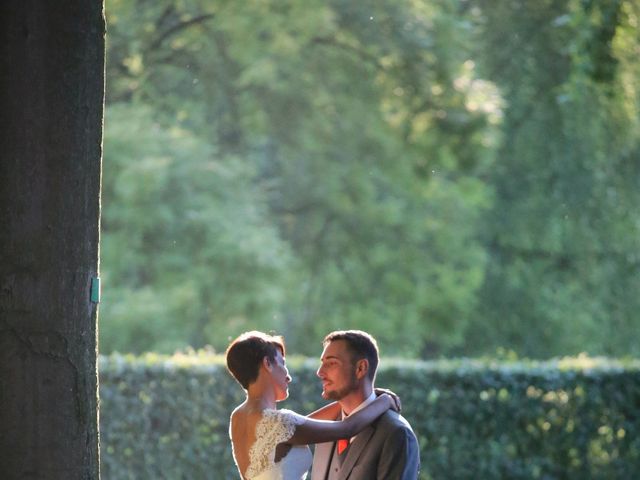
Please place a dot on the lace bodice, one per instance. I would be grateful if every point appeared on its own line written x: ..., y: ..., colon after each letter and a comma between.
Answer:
x: 277, y: 426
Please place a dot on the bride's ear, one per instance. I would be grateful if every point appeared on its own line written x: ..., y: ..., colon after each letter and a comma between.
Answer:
x: 266, y: 363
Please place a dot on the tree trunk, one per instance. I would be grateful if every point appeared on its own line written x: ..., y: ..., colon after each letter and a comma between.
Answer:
x: 51, y: 101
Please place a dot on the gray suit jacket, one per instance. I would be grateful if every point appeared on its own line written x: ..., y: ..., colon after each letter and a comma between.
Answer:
x: 386, y: 450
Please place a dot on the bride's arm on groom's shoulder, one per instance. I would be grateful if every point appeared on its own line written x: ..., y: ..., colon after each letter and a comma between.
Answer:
x: 319, y: 431
x: 331, y: 411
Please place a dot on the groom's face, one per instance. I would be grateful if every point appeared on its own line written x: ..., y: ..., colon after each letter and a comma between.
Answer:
x: 337, y: 371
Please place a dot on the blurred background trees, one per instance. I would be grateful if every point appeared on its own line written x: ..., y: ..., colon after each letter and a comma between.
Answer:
x: 455, y: 177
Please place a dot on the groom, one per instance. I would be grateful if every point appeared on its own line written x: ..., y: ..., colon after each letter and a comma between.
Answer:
x: 387, y: 449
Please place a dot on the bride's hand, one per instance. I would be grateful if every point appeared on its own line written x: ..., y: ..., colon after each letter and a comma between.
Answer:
x: 396, y: 405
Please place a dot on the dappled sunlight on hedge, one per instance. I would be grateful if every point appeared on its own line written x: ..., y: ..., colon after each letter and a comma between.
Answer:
x: 167, y: 416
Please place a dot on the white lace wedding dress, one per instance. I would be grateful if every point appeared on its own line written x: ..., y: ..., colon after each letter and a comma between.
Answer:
x: 277, y: 426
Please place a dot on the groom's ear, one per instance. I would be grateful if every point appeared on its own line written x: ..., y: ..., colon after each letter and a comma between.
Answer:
x: 362, y: 368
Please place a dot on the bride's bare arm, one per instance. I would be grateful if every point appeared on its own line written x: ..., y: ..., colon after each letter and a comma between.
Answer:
x: 328, y: 412
x: 318, y: 431
x: 333, y: 410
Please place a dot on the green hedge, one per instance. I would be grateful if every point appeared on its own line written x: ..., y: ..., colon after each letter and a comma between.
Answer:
x: 568, y: 419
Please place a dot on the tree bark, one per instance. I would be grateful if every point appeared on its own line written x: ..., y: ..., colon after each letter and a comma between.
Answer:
x: 51, y: 101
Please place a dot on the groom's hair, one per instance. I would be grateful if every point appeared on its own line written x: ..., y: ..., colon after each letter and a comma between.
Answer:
x: 360, y: 344
x: 244, y: 355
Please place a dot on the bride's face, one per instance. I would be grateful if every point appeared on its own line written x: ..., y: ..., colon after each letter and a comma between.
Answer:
x: 281, y: 377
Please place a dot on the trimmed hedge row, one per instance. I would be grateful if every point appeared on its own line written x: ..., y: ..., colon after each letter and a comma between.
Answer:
x: 568, y: 419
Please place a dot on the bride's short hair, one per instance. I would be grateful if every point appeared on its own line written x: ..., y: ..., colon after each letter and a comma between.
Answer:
x: 244, y: 355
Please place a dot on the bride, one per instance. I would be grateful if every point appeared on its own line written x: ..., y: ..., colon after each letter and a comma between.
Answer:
x: 270, y: 444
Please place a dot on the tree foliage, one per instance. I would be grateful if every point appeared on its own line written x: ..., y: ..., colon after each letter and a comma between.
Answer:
x: 563, y: 231
x: 453, y: 176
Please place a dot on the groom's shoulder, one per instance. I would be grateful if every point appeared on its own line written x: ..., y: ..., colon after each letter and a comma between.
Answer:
x: 391, y: 420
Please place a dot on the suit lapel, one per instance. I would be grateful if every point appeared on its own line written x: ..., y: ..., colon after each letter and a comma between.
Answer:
x: 355, y: 449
